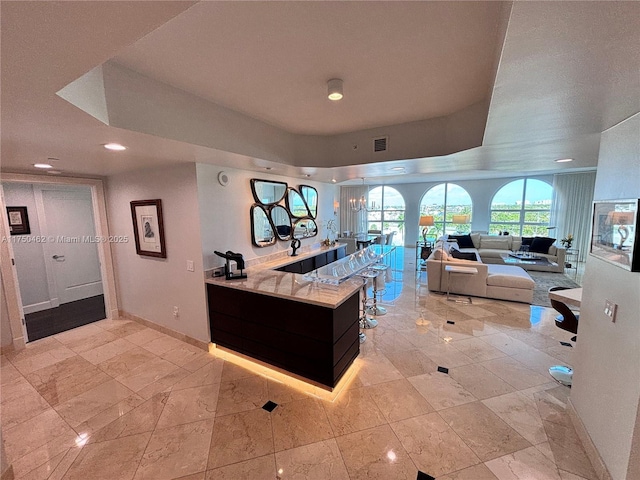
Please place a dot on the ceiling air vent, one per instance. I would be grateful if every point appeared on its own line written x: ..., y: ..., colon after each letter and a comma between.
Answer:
x: 380, y: 144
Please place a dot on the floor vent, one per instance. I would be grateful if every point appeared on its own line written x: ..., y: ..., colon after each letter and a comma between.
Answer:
x: 380, y: 144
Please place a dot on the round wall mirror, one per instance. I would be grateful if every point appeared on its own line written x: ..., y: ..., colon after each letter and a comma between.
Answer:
x: 262, y: 234
x: 268, y: 192
x: 305, y: 228
x: 310, y: 196
x: 281, y: 221
x: 296, y: 204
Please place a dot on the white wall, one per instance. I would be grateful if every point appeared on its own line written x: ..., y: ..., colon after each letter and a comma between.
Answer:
x: 224, y: 212
x: 606, y: 386
x: 29, y: 257
x: 150, y: 287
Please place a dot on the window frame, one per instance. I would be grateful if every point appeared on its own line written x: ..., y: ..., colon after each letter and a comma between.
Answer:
x: 381, y: 210
x: 523, y: 210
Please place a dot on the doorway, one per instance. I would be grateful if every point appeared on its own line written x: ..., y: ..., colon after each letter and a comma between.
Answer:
x: 58, y: 262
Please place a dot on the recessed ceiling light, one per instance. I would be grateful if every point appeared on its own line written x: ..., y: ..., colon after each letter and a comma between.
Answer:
x: 398, y: 169
x: 334, y: 89
x: 116, y: 147
x: 307, y: 175
x: 54, y: 172
x: 42, y: 165
x: 564, y: 160
x: 333, y: 180
x: 268, y: 168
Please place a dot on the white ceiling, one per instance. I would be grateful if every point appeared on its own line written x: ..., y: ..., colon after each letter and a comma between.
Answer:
x: 564, y: 72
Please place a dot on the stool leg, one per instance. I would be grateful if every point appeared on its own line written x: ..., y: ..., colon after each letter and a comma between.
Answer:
x: 375, y: 309
x: 365, y: 320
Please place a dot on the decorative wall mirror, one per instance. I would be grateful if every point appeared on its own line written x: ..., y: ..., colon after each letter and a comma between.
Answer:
x: 268, y: 192
x: 296, y: 204
x: 305, y: 228
x: 310, y: 196
x: 262, y: 234
x: 281, y: 221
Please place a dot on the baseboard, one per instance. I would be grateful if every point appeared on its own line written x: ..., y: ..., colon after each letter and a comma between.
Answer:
x: 589, y: 447
x: 37, y: 307
x: 167, y: 331
x: 7, y: 349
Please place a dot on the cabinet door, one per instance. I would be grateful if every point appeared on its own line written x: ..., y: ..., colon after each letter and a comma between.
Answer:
x: 320, y: 260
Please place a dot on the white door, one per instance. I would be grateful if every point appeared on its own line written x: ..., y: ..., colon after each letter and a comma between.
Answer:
x: 71, y: 249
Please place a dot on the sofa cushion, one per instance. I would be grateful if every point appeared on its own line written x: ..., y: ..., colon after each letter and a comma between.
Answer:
x: 541, y: 244
x: 495, y: 242
x: 492, y: 253
x: 475, y: 238
x: 464, y: 241
x: 440, y: 254
x: 509, y: 276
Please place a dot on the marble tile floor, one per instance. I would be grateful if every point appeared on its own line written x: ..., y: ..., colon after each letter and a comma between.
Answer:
x: 117, y: 400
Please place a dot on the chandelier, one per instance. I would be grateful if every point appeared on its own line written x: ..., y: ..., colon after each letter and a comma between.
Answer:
x: 359, y: 204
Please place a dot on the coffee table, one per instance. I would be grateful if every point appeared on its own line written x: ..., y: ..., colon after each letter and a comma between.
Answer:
x: 511, y: 259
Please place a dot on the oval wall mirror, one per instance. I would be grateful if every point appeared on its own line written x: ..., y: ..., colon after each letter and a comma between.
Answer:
x: 262, y: 234
x: 281, y: 221
x: 310, y: 196
x: 268, y: 192
x: 296, y: 204
x: 305, y: 228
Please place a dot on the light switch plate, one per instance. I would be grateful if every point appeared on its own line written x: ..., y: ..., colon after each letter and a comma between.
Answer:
x: 190, y: 265
x: 610, y: 309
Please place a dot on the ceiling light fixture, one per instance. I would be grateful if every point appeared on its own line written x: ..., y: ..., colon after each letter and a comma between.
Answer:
x: 333, y: 180
x: 42, y: 165
x: 398, y: 169
x: 116, y: 147
x: 564, y: 160
x: 334, y: 89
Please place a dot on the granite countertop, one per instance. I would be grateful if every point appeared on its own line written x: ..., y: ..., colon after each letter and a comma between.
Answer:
x: 264, y: 279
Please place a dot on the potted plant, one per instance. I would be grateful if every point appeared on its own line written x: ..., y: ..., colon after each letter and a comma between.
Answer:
x: 567, y: 241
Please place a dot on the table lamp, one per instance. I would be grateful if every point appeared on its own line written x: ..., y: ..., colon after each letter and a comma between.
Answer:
x: 460, y: 220
x: 426, y: 221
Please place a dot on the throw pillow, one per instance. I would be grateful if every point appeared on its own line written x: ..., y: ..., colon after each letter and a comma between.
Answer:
x: 527, y: 240
x: 463, y: 255
x: 464, y: 241
x: 541, y: 244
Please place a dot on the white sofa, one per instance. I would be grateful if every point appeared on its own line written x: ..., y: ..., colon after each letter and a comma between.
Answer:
x: 491, y: 247
x: 503, y: 282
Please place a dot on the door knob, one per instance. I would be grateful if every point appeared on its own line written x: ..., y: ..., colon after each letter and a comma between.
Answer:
x: 58, y: 257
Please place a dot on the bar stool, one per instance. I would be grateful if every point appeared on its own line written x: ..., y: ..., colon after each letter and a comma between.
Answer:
x: 378, y: 290
x: 366, y: 322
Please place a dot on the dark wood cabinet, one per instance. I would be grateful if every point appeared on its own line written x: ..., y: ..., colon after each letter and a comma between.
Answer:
x: 315, y: 342
x: 312, y: 263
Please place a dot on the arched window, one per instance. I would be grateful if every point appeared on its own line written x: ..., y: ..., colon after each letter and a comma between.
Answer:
x: 386, y: 212
x: 522, y: 207
x: 449, y: 204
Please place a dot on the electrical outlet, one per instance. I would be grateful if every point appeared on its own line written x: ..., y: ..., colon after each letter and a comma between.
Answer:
x: 610, y: 309
x: 176, y: 312
x: 190, y: 266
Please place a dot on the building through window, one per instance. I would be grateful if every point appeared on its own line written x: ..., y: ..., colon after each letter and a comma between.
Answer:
x: 451, y: 208
x: 386, y: 212
x: 522, y: 207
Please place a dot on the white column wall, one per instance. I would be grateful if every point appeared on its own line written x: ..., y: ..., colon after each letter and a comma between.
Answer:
x: 606, y: 386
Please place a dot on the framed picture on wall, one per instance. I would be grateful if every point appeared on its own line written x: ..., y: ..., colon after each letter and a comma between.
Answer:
x: 18, y: 221
x: 614, y: 233
x: 148, y: 228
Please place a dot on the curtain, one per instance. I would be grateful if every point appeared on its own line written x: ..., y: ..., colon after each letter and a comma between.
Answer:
x: 356, y: 222
x: 571, y: 208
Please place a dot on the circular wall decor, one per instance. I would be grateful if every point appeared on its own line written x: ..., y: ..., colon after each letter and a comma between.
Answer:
x: 223, y: 179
